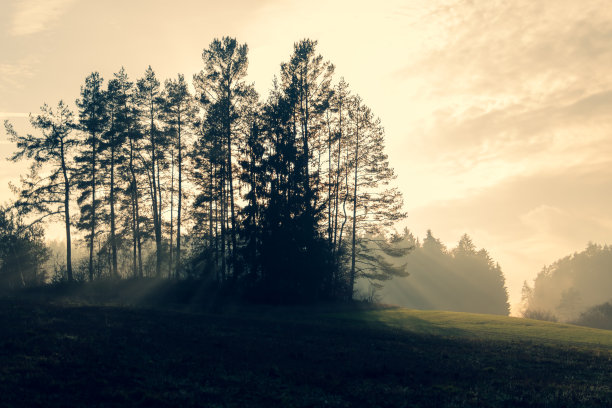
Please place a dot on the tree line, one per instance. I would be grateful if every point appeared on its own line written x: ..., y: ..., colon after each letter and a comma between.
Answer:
x: 570, y: 286
x: 462, y: 279
x: 274, y: 196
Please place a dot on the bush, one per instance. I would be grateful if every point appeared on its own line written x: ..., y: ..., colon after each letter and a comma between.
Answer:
x: 599, y: 317
x: 540, y: 315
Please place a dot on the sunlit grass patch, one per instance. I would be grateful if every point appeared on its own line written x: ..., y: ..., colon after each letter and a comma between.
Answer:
x: 485, y: 327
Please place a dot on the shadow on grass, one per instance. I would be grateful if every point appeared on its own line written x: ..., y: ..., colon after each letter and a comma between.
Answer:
x: 396, y: 319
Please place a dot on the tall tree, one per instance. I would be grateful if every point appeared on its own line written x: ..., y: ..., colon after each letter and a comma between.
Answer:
x: 128, y: 127
x: 46, y: 189
x: 92, y: 122
x: 180, y: 114
x: 374, y: 206
x: 114, y: 153
x: 338, y: 189
x: 151, y: 103
x: 306, y: 80
x: 221, y: 89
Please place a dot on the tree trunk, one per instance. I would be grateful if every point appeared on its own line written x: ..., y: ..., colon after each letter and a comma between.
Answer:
x: 178, y: 213
x: 112, y: 211
x: 230, y: 175
x: 171, y: 249
x: 93, y: 207
x: 353, y: 255
x: 67, y: 214
x: 153, y: 187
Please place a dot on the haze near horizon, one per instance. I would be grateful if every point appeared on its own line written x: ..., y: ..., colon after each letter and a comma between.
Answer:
x: 495, y: 113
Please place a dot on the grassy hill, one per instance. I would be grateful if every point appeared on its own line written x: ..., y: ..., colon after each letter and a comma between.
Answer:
x: 62, y: 355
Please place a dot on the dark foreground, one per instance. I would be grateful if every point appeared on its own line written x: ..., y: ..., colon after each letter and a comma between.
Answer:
x: 53, y: 356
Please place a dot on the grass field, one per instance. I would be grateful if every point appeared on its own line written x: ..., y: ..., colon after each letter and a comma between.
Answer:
x: 55, y: 355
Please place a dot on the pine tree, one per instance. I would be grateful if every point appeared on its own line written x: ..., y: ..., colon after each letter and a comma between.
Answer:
x: 46, y: 189
x: 221, y: 91
x: 150, y: 105
x: 306, y: 82
x: 180, y: 114
x: 129, y: 164
x: 114, y: 154
x: 374, y: 206
x: 92, y: 123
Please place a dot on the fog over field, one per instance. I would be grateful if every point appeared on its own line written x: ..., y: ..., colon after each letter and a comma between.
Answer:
x: 496, y: 114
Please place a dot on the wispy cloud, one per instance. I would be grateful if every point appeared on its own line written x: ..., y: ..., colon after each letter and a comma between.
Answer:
x: 33, y: 16
x: 5, y: 115
x: 12, y: 74
x: 514, y: 88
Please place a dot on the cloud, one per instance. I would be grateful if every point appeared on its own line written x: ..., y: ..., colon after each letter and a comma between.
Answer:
x: 5, y: 115
x: 13, y: 74
x: 526, y: 222
x: 513, y: 89
x: 33, y: 16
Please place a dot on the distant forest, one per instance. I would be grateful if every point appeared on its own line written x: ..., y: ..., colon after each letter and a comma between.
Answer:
x: 272, y: 196
x: 461, y: 279
x: 571, y: 286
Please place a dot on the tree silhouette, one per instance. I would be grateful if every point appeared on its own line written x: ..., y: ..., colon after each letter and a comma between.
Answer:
x: 46, y: 189
x: 22, y: 251
x: 92, y: 122
x: 179, y: 114
x: 150, y: 106
x: 291, y: 196
x: 221, y: 90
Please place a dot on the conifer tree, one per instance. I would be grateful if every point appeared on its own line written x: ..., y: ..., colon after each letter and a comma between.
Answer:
x: 92, y: 123
x: 180, y: 114
x: 129, y: 164
x: 46, y: 189
x: 150, y: 105
x: 221, y: 90
x: 306, y: 81
x: 374, y: 206
x: 114, y: 153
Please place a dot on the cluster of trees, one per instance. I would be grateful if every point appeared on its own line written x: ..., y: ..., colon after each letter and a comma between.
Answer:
x: 598, y: 316
x: 271, y: 195
x: 570, y: 286
x: 462, y: 279
x: 22, y: 251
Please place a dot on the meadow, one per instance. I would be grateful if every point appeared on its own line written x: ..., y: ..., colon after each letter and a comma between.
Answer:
x: 62, y: 353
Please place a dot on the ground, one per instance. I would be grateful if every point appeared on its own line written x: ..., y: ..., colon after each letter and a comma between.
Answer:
x: 54, y: 354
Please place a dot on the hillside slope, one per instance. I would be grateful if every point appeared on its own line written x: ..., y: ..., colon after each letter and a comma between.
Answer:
x: 53, y: 355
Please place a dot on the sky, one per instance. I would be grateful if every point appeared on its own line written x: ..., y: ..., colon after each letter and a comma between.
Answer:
x: 497, y: 113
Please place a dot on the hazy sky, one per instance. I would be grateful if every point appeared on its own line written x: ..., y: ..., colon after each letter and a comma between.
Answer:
x: 496, y: 112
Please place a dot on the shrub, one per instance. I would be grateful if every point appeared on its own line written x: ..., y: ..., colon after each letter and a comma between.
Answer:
x: 540, y: 315
x: 599, y: 317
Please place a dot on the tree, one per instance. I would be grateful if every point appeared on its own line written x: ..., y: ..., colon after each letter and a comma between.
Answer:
x: 221, y: 90
x: 180, y: 114
x: 374, y: 207
x: 92, y: 122
x: 574, y: 283
x: 306, y: 81
x: 126, y: 142
x: 150, y: 105
x: 463, y: 279
x: 22, y: 251
x: 337, y: 184
x: 293, y: 261
x: 114, y: 154
x: 46, y: 189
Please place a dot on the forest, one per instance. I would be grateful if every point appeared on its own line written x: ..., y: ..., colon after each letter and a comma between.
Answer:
x: 461, y: 279
x: 573, y: 289
x: 273, y: 197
